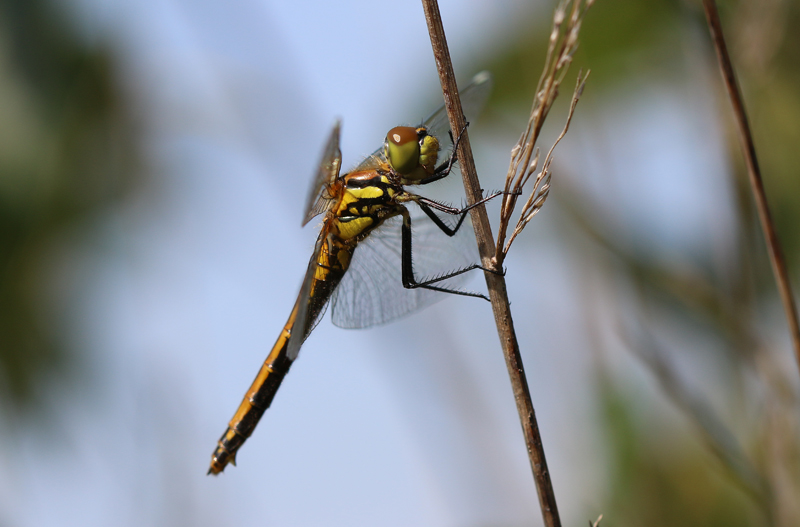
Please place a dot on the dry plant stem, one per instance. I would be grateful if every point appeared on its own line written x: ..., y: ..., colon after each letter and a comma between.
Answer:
x: 754, y: 173
x: 524, y: 163
x: 541, y: 186
x: 495, y: 283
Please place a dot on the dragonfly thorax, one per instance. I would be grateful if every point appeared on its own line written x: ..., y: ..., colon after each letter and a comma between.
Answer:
x: 366, y: 200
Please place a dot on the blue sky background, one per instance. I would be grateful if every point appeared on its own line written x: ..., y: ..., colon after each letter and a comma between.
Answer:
x: 173, y: 297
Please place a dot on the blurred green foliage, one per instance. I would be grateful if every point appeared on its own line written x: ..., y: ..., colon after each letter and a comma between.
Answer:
x: 625, y: 42
x: 697, y: 480
x: 655, y: 483
x: 64, y: 143
x: 621, y: 41
x: 771, y: 84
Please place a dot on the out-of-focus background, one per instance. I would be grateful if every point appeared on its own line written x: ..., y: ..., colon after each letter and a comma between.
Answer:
x: 154, y: 159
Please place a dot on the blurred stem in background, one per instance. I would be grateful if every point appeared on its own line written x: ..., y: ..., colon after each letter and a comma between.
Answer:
x: 65, y: 145
x: 743, y: 465
x: 773, y: 244
x: 740, y: 464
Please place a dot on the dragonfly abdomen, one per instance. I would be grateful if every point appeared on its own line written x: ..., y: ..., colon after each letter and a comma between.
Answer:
x: 329, y: 267
x: 257, y: 399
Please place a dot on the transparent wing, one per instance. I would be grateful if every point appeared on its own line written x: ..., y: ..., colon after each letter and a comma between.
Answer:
x: 303, y: 323
x: 375, y: 160
x: 372, y: 291
x: 473, y: 99
x: 319, y: 201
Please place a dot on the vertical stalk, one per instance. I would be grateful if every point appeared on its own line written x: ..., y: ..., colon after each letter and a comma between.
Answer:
x: 754, y: 175
x: 496, y: 283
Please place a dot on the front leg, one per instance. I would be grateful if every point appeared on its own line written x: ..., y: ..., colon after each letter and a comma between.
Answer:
x: 444, y: 169
x: 428, y: 204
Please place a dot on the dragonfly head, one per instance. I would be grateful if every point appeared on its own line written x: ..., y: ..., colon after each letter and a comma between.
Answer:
x: 411, y: 152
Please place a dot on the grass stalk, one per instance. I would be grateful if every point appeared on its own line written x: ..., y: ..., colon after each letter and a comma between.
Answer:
x: 495, y: 282
x: 754, y: 175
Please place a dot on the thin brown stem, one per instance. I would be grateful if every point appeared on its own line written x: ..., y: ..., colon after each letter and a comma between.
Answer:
x: 754, y: 173
x: 495, y: 283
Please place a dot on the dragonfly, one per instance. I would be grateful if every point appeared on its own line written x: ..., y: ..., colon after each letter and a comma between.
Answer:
x: 354, y: 265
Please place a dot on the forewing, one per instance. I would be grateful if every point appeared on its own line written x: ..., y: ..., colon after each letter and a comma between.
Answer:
x: 372, y: 291
x: 319, y: 200
x: 374, y: 160
x: 473, y: 99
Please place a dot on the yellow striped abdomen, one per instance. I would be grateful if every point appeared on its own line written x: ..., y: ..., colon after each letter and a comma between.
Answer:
x: 325, y: 271
x: 256, y: 400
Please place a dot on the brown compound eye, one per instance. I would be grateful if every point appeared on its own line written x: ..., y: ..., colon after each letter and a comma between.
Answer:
x: 402, y: 149
x: 400, y: 135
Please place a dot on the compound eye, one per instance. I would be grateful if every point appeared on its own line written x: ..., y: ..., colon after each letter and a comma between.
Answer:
x: 402, y: 149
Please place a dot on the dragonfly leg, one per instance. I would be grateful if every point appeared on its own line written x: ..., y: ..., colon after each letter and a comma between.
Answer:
x: 428, y: 204
x: 409, y: 282
x: 444, y: 169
